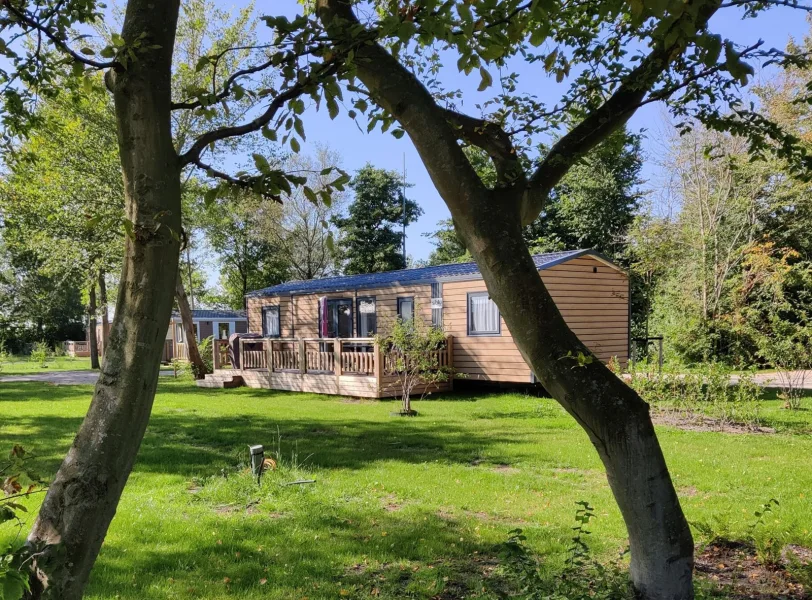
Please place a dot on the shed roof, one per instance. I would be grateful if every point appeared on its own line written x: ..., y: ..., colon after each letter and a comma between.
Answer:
x: 421, y: 275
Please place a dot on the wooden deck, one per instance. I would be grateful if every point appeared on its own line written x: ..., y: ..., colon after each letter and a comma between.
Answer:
x: 346, y: 367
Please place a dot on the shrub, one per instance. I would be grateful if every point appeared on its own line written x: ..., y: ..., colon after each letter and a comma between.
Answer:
x: 206, y: 349
x: 412, y: 350
x: 40, y: 354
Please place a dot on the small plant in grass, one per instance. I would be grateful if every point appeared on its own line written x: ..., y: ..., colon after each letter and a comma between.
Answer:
x: 18, y: 483
x: 582, y: 578
x: 412, y: 351
x: 768, y: 548
x: 206, y: 349
x: 40, y: 354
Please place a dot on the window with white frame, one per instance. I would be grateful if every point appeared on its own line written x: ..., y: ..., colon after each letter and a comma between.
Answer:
x: 406, y: 308
x: 483, y: 315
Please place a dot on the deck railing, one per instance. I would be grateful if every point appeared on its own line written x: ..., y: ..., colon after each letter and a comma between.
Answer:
x: 340, y: 356
x: 73, y: 348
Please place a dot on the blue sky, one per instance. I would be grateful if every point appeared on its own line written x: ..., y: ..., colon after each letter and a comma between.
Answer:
x: 382, y: 150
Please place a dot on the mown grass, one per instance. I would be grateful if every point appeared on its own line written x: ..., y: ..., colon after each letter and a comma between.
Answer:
x: 23, y: 365
x: 401, y: 507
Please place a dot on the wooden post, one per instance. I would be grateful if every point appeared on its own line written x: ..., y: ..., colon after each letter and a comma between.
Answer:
x: 269, y: 347
x: 337, y: 354
x: 377, y: 367
x: 449, y: 350
x: 242, y: 355
x: 215, y: 354
x: 302, y: 357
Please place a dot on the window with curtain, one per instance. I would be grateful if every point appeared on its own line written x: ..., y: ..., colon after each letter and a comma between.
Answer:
x: 270, y: 321
x: 406, y: 308
x: 483, y: 315
x: 367, y: 316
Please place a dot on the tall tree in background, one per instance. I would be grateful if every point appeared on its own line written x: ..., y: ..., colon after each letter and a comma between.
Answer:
x: 301, y: 230
x: 595, y: 202
x: 62, y: 195
x: 448, y: 246
x: 247, y: 260
x: 372, y: 232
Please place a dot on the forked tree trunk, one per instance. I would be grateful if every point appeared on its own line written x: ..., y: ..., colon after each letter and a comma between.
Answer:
x: 199, y: 368
x: 83, y: 497
x: 105, y: 313
x: 92, y: 339
x: 614, y: 417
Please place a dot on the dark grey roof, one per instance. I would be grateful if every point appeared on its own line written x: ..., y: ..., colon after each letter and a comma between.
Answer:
x: 423, y: 274
x: 207, y: 315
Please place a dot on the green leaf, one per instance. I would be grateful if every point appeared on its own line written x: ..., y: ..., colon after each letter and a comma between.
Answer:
x: 210, y: 196
x: 299, y: 127
x: 487, y: 80
x: 201, y: 63
x: 261, y: 163
x: 398, y: 133
x: 326, y: 171
x: 332, y: 107
x: 549, y: 62
x: 537, y: 37
x: 269, y: 133
x: 311, y: 195
x: 88, y: 51
x: 361, y: 105
x: 294, y: 145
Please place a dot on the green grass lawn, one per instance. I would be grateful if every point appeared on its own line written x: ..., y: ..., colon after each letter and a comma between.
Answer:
x: 401, y: 507
x: 22, y: 365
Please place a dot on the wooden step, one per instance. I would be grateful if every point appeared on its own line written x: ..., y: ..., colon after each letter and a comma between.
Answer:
x: 220, y: 381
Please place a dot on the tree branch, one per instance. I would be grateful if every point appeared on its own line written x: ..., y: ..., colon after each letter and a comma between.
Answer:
x: 247, y: 183
x: 494, y: 141
x: 789, y: 3
x: 193, y: 154
x: 226, y: 86
x: 613, y: 113
x: 33, y: 23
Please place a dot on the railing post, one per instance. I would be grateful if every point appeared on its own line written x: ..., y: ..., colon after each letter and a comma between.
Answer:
x: 449, y: 350
x: 241, y: 354
x: 215, y: 354
x: 302, y: 356
x: 337, y: 354
x: 377, y: 366
x: 268, y: 345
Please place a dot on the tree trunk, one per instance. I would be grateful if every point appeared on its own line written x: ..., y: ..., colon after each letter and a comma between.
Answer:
x: 92, y: 338
x: 82, y: 499
x: 105, y: 328
x: 199, y: 368
x: 613, y: 415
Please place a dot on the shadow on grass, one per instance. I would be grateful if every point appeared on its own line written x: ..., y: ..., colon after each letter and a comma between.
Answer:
x: 323, y: 551
x: 188, y: 443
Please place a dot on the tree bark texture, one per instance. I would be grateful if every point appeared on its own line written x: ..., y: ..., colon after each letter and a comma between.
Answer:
x: 82, y: 499
x: 92, y: 338
x: 199, y: 368
x: 613, y: 415
x: 105, y: 313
